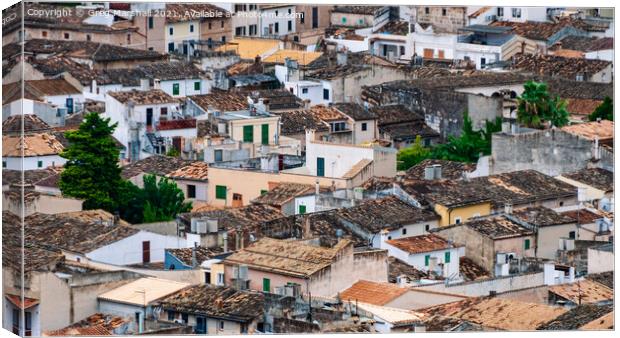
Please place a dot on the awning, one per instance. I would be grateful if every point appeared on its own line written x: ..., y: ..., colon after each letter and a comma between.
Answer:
x: 17, y: 301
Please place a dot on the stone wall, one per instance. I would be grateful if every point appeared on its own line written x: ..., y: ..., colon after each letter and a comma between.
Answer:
x: 552, y: 152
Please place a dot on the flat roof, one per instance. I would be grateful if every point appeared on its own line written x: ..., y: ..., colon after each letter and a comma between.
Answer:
x: 143, y: 291
x: 486, y: 29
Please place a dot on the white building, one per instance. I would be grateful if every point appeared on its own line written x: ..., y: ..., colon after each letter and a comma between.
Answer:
x: 478, y: 15
x: 277, y: 20
x: 483, y: 45
x: 427, y: 43
x: 429, y: 253
x: 326, y: 159
x: 137, y: 113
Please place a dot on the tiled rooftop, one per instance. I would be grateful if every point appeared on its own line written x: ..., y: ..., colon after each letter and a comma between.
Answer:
x: 372, y: 292
x: 221, y: 100
x: 451, y: 170
x: 395, y: 113
x: 202, y: 254
x: 31, y: 123
x: 176, y: 124
x: 297, y: 121
x: 143, y: 97
x: 605, y: 278
x: 397, y: 268
x: 98, y: 324
x: 585, y: 291
x: 365, y: 10
x: 171, y: 71
x: 196, y: 170
x: 542, y: 217
x: 302, y: 57
x: 498, y: 313
x: 217, y: 302
x: 595, y: 177
x: 384, y: 213
x: 576, y: 318
x: 286, y: 257
x: 249, y: 217
x: 156, y: 164
x: 603, y: 129
x: 497, y: 227
x: 37, y: 89
x: 551, y: 65
x: 421, y: 244
x: 283, y: 193
x: 544, y: 30
x: 40, y: 144
x: 355, y: 111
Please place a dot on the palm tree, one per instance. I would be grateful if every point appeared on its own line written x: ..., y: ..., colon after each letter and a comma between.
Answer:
x: 532, y: 104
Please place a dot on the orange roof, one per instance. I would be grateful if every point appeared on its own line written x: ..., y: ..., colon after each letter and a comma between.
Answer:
x: 604, y: 130
x: 372, y: 292
x: 590, y: 291
x: 568, y: 53
x: 302, y: 57
x: 17, y: 301
x: 419, y: 244
x: 582, y: 106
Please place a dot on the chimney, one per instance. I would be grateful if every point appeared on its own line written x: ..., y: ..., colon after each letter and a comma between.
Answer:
x: 93, y: 86
x: 156, y: 84
x: 437, y: 171
x: 257, y: 59
x: 144, y: 84
x: 225, y: 240
x: 429, y: 173
x: 508, y: 208
x: 310, y: 136
x: 317, y: 188
x: 194, y: 259
x: 341, y: 58
x: 596, y: 150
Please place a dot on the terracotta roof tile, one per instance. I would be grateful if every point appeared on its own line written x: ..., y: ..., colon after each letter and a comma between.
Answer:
x: 372, y: 292
x: 551, y: 65
x: 40, y: 144
x: 541, y: 216
x: 143, y: 97
x: 176, y: 124
x: 603, y: 129
x: 595, y: 177
x: 195, y: 171
x: 588, y: 290
x: 421, y: 244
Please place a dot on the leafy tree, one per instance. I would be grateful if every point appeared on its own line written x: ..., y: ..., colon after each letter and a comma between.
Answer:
x: 92, y: 172
x: 604, y: 111
x: 412, y: 155
x: 163, y: 200
x: 536, y: 107
x: 130, y: 202
x: 172, y: 152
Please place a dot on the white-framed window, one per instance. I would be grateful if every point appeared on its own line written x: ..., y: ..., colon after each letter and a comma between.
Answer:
x: 516, y: 12
x: 220, y: 278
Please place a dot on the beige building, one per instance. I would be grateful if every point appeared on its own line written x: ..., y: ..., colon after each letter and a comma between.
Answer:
x: 311, y: 24
x: 269, y: 265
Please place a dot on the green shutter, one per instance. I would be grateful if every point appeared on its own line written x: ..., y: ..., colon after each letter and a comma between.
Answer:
x: 266, y: 285
x: 527, y: 244
x: 40, y: 164
x: 175, y: 89
x: 302, y: 209
x: 265, y: 134
x: 263, y: 191
x: 427, y: 259
x: 320, y: 166
x: 197, y: 85
x: 220, y: 192
x: 248, y: 134
x: 447, y: 257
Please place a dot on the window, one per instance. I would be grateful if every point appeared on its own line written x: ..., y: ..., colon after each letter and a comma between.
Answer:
x: 579, y: 77
x: 266, y: 285
x: 320, y: 166
x: 516, y: 12
x: 170, y: 47
x: 427, y: 260
x: 171, y: 316
x: 220, y: 278
x: 571, y: 235
x: 210, y: 25
x: 221, y: 325
x: 302, y: 19
x: 184, y: 317
x: 67, y: 36
x: 253, y: 29
x: 457, y: 220
x: 3, y: 164
x: 441, y: 53
x: 444, y: 12
x: 175, y: 89
x: 171, y: 31
x: 128, y: 38
x: 500, y: 11
x: 223, y: 39
x: 201, y: 325
x: 302, y: 209
x: 427, y: 227
x: 483, y: 61
x: 526, y: 244
x: 264, y: 134
x: 325, y: 94
x: 263, y: 191
x: 248, y: 133
x: 39, y: 164
x: 197, y: 85
x: 276, y: 13
x: 290, y: 25
x: 446, y: 258
x: 344, y: 20
x: 427, y: 10
x: 164, y: 111
x: 221, y: 24
x: 218, y: 154
x: 191, y: 191
x: 151, y: 22
x: 404, y: 231
x: 289, y: 11
x: 304, y: 90
x: 88, y: 37
x: 364, y: 126
x: 276, y: 27
x: 315, y: 17
x: 44, y: 34
x: 191, y: 28
x: 561, y: 204
x: 220, y: 192
x: 240, y: 31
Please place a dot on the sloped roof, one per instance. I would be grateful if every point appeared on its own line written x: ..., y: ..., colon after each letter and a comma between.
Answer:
x: 541, y: 216
x: 143, y: 291
x: 585, y: 291
x: 297, y: 121
x: 217, y: 302
x: 156, y: 164
x: 30, y: 123
x: 580, y: 317
x: 283, y: 193
x: 143, y: 97
x: 196, y: 170
x: 595, y: 177
x: 302, y: 57
x: 40, y: 144
x: 421, y: 244
x: 372, y: 292
x: 603, y: 129
x: 286, y: 257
